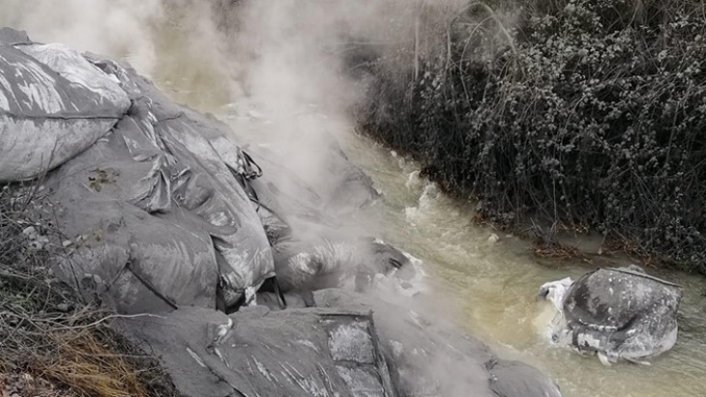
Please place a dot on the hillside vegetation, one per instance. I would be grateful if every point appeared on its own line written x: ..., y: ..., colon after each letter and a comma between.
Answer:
x: 579, y: 114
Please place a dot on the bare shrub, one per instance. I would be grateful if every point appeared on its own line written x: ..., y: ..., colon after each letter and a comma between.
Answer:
x: 591, y: 115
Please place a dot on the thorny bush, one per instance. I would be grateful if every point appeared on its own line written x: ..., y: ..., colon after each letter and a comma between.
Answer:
x: 591, y: 114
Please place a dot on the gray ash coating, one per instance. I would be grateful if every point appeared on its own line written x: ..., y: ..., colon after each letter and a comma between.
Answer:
x: 623, y: 312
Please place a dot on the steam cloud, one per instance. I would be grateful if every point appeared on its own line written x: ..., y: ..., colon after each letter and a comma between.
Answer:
x: 277, y: 63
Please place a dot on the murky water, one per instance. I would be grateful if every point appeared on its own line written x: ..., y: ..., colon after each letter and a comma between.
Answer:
x: 494, y: 285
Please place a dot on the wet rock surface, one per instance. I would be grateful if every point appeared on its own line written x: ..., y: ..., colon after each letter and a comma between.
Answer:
x: 619, y: 313
x: 53, y: 105
x: 164, y: 213
x: 148, y: 190
x: 297, y: 352
x: 429, y: 357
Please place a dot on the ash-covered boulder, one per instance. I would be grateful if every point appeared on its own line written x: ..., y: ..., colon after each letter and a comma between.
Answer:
x: 53, y: 105
x: 255, y: 352
x: 148, y: 192
x: 617, y: 313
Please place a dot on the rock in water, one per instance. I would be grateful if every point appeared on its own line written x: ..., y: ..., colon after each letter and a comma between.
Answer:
x: 620, y: 313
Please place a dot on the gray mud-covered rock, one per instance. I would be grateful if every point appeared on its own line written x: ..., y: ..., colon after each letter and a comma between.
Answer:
x: 255, y: 352
x: 617, y: 313
x: 53, y: 105
x: 430, y: 358
x: 326, y: 263
x: 149, y: 193
x: 303, y: 221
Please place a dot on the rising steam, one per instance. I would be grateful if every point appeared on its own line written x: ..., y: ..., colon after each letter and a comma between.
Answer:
x: 276, y: 66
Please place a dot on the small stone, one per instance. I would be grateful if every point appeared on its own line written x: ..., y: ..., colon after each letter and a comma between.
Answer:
x: 29, y: 231
x: 254, y: 114
x: 493, y: 238
x: 67, y: 243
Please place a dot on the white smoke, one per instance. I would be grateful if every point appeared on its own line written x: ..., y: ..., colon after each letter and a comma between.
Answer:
x: 121, y: 28
x: 279, y: 65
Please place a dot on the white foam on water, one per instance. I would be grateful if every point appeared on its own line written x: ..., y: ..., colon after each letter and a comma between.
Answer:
x: 426, y: 204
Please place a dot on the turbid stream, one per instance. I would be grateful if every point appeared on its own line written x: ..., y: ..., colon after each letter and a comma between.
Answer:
x: 493, y: 289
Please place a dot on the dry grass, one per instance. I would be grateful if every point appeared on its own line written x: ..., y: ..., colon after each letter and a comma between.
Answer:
x: 89, y: 365
x: 557, y: 251
x: 47, y: 332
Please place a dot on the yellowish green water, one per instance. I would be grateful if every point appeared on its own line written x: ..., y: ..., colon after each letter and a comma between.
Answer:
x: 493, y: 288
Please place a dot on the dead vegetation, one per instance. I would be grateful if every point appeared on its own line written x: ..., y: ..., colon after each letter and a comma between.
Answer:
x: 559, y: 111
x: 52, y: 342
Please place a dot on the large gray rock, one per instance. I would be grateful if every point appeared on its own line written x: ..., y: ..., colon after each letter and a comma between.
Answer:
x: 148, y: 192
x: 620, y: 313
x: 53, y: 105
x: 255, y: 352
